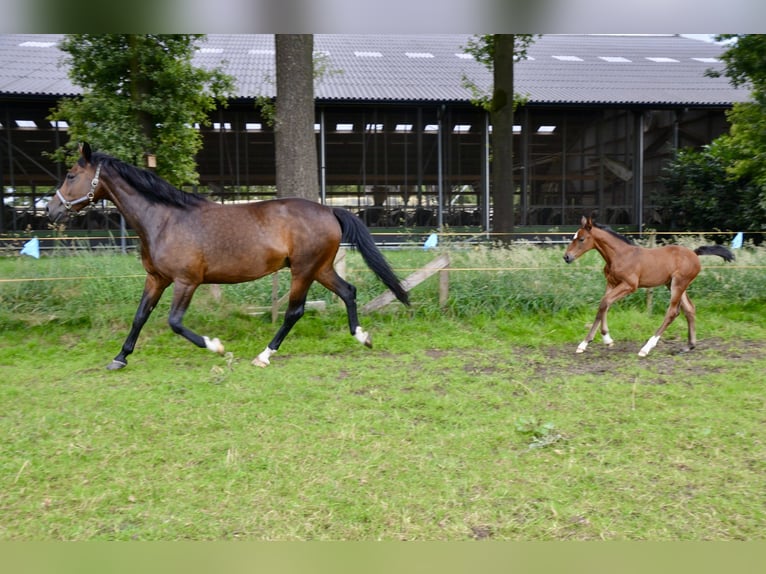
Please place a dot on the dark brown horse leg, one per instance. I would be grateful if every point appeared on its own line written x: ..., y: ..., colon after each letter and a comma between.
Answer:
x: 154, y: 287
x: 676, y: 295
x: 182, y: 296
x: 295, y: 307
x: 347, y: 292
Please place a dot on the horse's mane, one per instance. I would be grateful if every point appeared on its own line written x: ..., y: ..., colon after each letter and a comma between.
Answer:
x: 147, y: 183
x: 613, y: 233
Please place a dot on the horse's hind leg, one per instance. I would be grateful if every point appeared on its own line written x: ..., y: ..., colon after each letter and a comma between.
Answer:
x: 295, y: 308
x: 676, y: 297
x: 690, y: 313
x: 347, y: 292
x: 154, y: 287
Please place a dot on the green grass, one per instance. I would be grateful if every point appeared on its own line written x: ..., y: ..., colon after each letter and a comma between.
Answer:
x: 473, y: 422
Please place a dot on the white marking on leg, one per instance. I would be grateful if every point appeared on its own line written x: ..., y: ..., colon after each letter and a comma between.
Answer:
x: 262, y: 360
x: 214, y: 345
x: 650, y: 344
x: 362, y: 336
x: 582, y: 346
x: 608, y: 341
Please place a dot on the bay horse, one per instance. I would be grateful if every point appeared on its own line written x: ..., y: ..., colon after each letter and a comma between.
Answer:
x: 187, y: 240
x: 630, y: 266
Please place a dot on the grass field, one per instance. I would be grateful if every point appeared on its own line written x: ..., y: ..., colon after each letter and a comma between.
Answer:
x: 477, y: 421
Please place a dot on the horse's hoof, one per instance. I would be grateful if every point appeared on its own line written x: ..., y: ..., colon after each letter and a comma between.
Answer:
x: 643, y: 353
x: 214, y: 345
x: 363, y: 337
x: 581, y: 347
x: 116, y: 365
x: 262, y: 360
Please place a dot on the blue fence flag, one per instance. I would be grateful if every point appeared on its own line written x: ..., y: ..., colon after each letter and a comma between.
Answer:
x: 32, y: 248
x: 432, y: 241
x: 736, y: 243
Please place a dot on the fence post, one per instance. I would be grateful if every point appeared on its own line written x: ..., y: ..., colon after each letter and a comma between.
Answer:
x: 650, y: 290
x: 340, y: 262
x: 274, y: 296
x: 215, y: 291
x: 444, y: 284
x: 431, y: 268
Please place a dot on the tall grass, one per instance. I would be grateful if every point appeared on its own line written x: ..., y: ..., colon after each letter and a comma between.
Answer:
x: 483, y: 280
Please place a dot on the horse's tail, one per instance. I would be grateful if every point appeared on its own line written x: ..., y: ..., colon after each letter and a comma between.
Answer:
x: 719, y: 250
x: 357, y: 234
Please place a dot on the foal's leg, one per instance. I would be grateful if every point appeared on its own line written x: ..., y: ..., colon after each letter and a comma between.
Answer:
x: 676, y: 296
x: 347, y: 292
x: 154, y: 286
x: 296, y: 305
x: 182, y: 296
x: 612, y: 294
x: 690, y: 313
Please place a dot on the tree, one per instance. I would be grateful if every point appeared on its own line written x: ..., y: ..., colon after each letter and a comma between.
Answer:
x: 498, y: 52
x: 141, y: 94
x: 745, y: 61
x: 295, y: 143
x: 700, y: 193
x: 723, y: 185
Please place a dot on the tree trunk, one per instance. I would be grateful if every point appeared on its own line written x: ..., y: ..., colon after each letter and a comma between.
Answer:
x: 295, y: 143
x: 140, y: 89
x: 502, y: 137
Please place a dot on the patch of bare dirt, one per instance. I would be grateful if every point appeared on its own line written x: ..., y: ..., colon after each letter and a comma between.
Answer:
x: 667, y: 363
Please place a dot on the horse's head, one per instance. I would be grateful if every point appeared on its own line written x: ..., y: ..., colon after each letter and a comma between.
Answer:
x: 81, y: 187
x: 581, y: 242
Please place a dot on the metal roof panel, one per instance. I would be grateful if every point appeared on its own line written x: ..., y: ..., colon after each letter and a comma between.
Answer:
x: 562, y: 69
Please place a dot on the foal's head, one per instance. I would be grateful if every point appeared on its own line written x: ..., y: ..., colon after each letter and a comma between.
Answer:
x: 582, y: 241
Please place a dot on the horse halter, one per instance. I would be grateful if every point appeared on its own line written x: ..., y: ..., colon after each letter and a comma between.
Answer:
x: 87, y: 197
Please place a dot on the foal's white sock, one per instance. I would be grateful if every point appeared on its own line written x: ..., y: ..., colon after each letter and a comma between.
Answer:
x: 650, y: 344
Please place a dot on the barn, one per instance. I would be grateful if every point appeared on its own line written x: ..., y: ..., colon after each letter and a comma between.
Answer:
x: 399, y: 140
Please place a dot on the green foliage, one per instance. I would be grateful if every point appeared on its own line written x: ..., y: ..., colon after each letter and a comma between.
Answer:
x: 702, y: 192
x: 322, y: 70
x: 744, y: 60
x: 540, y: 434
x: 745, y: 145
x: 482, y: 48
x: 141, y: 94
x: 724, y: 185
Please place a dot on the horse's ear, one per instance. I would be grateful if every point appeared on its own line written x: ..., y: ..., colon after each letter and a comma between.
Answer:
x: 85, y: 151
x: 586, y: 222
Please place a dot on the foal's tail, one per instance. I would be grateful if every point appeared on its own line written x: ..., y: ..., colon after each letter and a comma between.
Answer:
x: 719, y: 250
x: 356, y: 233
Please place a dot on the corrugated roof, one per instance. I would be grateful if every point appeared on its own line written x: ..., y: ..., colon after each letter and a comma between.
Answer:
x: 562, y: 69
